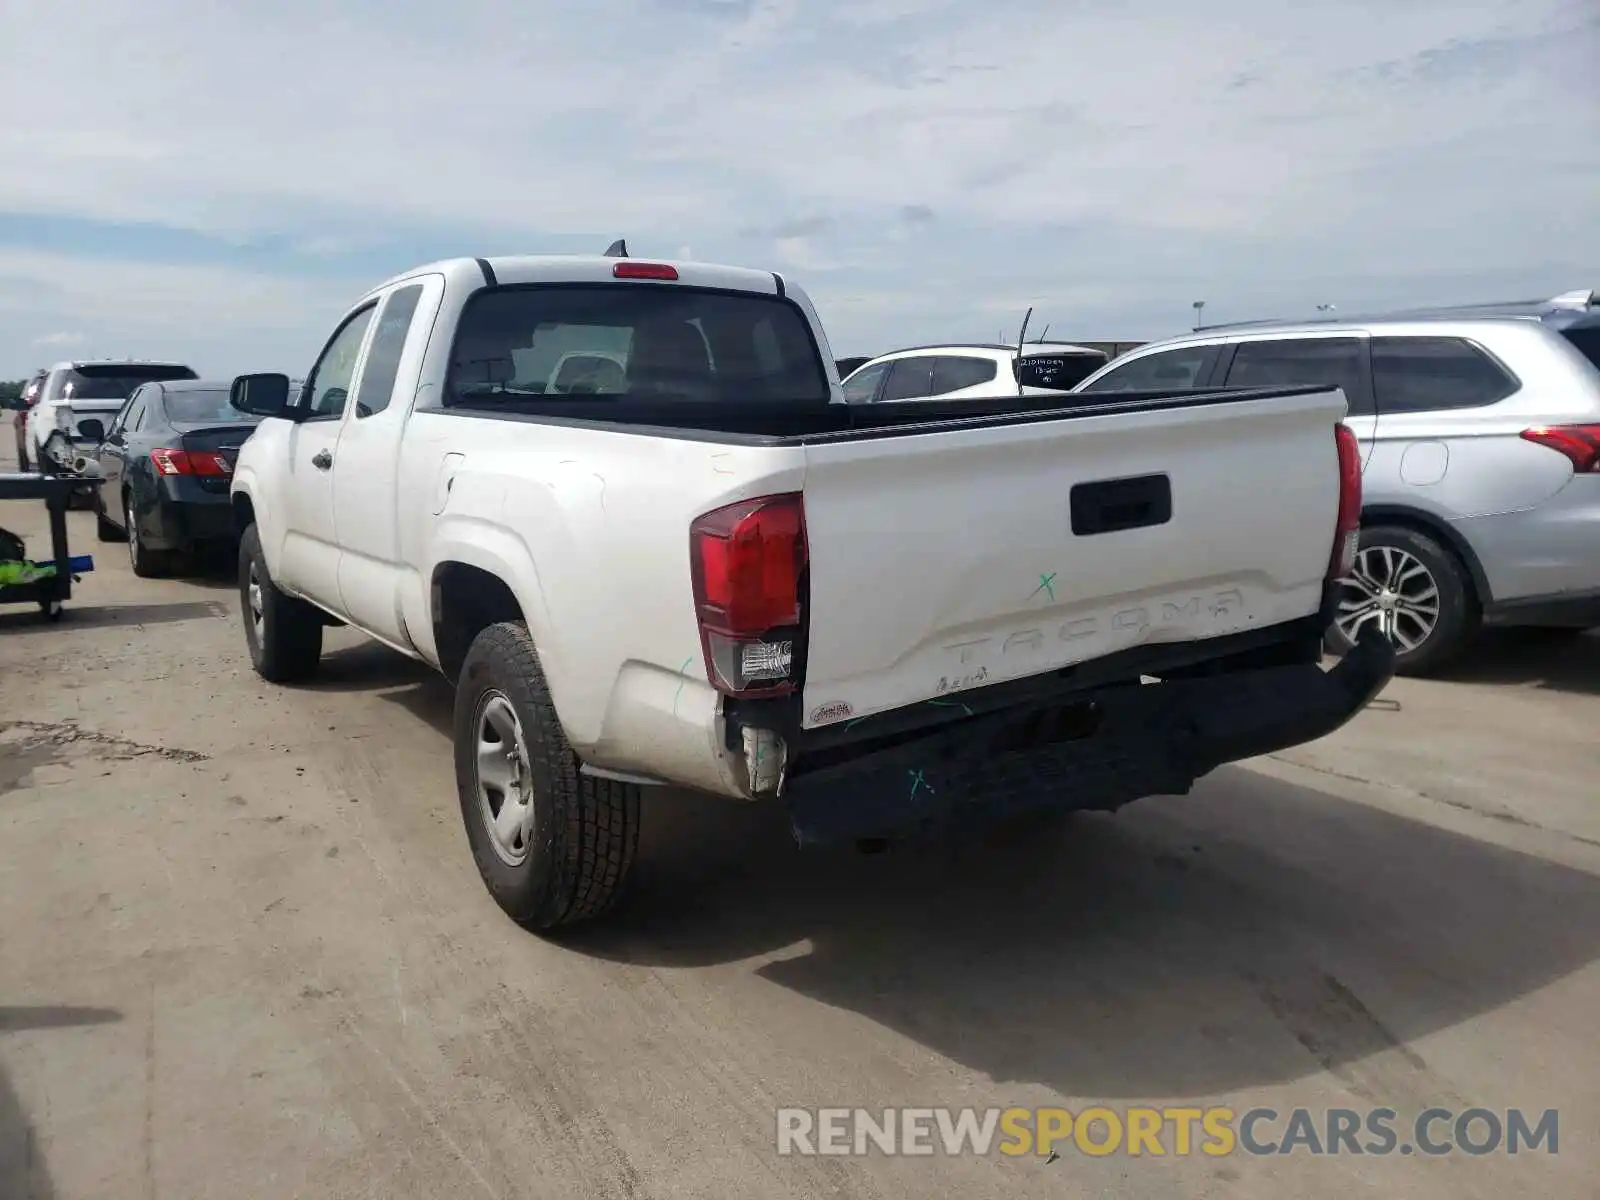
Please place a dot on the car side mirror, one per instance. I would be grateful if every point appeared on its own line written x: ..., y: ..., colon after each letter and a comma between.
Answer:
x: 93, y: 430
x: 265, y: 395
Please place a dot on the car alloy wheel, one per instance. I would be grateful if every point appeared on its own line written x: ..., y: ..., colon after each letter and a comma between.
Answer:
x: 1393, y: 589
x: 135, y: 550
x: 504, y: 779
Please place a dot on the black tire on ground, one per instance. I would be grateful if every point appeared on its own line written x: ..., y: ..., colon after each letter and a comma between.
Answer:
x: 286, y: 647
x: 146, y: 563
x: 104, y: 529
x: 578, y: 855
x: 1459, y: 614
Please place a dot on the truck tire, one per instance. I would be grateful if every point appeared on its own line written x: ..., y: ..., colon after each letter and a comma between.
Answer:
x: 283, y: 632
x: 1439, y: 611
x: 554, y: 847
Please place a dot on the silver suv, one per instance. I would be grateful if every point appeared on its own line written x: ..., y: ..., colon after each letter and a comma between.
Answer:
x: 1480, y: 434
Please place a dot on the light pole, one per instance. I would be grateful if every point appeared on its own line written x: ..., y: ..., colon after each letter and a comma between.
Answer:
x: 1199, y: 307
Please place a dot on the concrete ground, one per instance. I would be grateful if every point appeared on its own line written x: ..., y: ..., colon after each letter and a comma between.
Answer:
x: 244, y: 951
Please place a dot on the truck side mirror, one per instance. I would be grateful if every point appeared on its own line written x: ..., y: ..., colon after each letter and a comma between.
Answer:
x: 265, y: 395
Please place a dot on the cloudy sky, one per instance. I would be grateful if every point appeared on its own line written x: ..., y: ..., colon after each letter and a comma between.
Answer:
x: 215, y: 182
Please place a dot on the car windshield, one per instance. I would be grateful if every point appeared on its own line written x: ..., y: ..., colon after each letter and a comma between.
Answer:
x: 598, y: 343
x: 204, y: 408
x: 116, y: 381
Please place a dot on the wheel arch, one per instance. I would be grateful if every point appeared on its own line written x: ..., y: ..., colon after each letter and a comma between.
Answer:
x: 1441, y: 531
x: 479, y: 579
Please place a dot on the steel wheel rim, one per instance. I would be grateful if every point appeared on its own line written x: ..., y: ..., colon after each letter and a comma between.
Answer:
x: 502, y: 778
x: 133, y: 537
x: 255, y: 602
x: 1394, y: 590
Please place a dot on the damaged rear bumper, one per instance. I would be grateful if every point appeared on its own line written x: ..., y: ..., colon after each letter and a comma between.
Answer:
x: 1096, y: 750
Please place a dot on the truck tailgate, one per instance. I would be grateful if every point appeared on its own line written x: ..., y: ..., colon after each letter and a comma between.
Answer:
x: 949, y: 560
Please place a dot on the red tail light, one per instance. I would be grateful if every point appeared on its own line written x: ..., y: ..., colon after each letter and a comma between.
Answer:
x: 1580, y: 443
x: 643, y: 270
x: 1347, y: 533
x: 206, y: 463
x: 747, y: 560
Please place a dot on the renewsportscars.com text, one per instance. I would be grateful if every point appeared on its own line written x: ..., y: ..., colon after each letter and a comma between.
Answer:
x: 1161, y: 1132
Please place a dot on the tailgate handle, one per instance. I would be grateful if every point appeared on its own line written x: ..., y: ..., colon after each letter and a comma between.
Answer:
x: 1116, y: 505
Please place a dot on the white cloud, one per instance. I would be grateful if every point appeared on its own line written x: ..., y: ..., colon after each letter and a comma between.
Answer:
x: 1238, y: 149
x: 220, y: 321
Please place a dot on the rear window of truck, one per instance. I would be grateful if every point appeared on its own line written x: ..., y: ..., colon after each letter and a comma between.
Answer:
x: 587, y: 346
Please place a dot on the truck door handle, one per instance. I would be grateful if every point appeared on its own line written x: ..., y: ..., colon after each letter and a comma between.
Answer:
x: 322, y: 461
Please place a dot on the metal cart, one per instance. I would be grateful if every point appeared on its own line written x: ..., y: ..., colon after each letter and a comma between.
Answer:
x: 56, y: 492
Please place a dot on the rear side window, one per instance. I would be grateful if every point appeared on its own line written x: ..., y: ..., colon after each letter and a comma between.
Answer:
x: 1288, y: 362
x: 1430, y: 374
x: 383, y: 357
x: 863, y: 386
x: 1059, y: 372
x: 131, y: 415
x: 910, y: 378
x: 951, y: 373
x: 113, y: 381
x: 1185, y: 366
x: 1587, y: 341
x: 590, y: 343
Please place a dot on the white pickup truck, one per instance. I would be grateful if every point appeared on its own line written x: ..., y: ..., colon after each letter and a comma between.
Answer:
x: 622, y: 506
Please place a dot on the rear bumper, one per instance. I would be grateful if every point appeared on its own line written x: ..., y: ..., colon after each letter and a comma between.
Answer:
x: 1129, y: 742
x: 185, y: 515
x: 1541, y: 553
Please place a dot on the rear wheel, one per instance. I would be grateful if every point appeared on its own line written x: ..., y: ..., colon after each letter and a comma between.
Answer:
x: 283, y: 632
x: 554, y: 846
x: 146, y: 563
x: 1416, y: 591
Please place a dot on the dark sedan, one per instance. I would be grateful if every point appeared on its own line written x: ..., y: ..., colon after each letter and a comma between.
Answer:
x: 167, y: 461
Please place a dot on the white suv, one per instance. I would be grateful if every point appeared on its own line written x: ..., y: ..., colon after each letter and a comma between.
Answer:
x: 972, y: 372
x: 77, y: 403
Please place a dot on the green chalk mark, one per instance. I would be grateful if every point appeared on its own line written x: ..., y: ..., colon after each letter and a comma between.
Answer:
x: 683, y: 671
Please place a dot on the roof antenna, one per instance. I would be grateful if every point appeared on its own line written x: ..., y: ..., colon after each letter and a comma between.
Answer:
x: 1022, y: 338
x: 1039, y: 341
x: 617, y: 249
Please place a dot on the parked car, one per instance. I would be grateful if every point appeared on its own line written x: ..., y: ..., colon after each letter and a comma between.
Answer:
x: 720, y: 576
x: 19, y: 423
x: 77, y: 402
x: 166, y: 461
x: 1480, y: 439
x: 972, y: 372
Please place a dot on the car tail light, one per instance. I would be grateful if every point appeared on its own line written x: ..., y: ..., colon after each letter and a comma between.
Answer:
x: 205, y: 463
x: 748, y: 561
x: 1347, y: 532
x: 1580, y: 443
x: 644, y: 270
